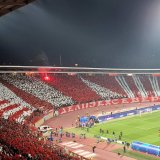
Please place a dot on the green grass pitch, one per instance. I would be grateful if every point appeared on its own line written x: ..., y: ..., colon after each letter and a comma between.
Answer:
x: 142, y: 128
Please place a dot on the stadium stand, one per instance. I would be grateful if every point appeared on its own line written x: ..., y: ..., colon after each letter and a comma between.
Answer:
x: 133, y: 87
x: 38, y: 89
x: 23, y: 144
x: 65, y: 90
x: 124, y: 85
x: 24, y: 98
x: 27, y: 97
x: 140, y: 86
x: 154, y: 83
x: 10, y: 104
x: 108, y: 82
x: 147, y: 85
x: 72, y: 86
x: 103, y: 92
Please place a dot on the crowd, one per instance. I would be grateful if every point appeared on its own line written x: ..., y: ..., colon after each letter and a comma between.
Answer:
x: 102, y: 91
x: 72, y: 86
x: 65, y: 90
x: 149, y: 85
x: 12, y: 106
x: 108, y: 82
x: 132, y: 85
x: 29, y: 98
x: 128, y: 86
x: 24, y: 98
x: 18, y: 142
x: 6, y: 93
x: 38, y: 89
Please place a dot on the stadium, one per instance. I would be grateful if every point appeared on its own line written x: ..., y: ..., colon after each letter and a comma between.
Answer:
x: 77, y: 98
x: 34, y: 98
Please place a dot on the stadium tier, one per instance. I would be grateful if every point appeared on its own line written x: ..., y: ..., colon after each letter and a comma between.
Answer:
x: 25, y: 98
x: 129, y: 80
x: 65, y: 90
x: 23, y: 144
x: 23, y: 94
x: 72, y: 86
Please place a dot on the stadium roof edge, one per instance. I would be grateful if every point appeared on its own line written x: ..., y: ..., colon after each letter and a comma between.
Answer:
x: 14, y: 66
x: 51, y: 69
x: 7, y: 6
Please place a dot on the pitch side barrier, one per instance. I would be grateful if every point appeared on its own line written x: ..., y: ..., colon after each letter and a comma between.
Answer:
x: 104, y: 103
x: 146, y: 148
x: 128, y: 113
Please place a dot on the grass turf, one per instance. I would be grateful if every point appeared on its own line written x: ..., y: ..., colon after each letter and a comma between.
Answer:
x: 142, y: 128
x: 135, y: 155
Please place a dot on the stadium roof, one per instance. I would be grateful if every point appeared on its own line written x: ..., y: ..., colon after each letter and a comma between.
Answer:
x: 50, y: 69
x: 7, y: 6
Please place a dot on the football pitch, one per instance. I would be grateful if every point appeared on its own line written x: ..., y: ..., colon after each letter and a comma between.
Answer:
x: 142, y: 128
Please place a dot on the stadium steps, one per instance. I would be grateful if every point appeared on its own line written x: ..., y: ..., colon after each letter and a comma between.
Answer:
x: 124, y: 85
x: 147, y: 85
x: 132, y: 85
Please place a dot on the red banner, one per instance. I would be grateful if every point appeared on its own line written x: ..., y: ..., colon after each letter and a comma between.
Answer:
x: 108, y: 103
x: 156, y: 75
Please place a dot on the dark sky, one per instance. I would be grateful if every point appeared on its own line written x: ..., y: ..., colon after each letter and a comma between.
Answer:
x: 92, y: 33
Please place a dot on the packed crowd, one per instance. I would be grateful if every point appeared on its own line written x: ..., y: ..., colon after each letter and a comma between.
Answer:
x: 102, y: 91
x: 28, y: 98
x: 6, y: 93
x: 148, y: 85
x: 23, y: 98
x: 38, y: 89
x: 128, y: 86
x: 65, y: 90
x: 12, y: 106
x: 129, y: 80
x: 73, y: 86
x: 108, y: 82
x: 17, y: 142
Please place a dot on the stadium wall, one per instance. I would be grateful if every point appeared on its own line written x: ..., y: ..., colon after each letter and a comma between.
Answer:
x: 72, y: 108
x: 128, y: 113
x: 43, y: 119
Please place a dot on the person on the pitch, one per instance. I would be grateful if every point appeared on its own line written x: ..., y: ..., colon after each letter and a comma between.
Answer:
x: 93, y: 148
x: 124, y: 149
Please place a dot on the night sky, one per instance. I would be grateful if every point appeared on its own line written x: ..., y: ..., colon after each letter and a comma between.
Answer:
x: 91, y: 33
